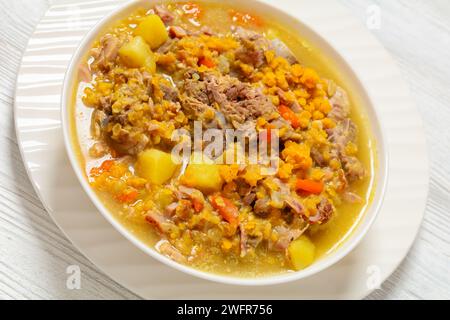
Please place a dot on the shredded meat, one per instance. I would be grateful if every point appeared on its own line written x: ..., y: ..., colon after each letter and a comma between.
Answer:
x: 170, y: 251
x: 167, y: 46
x: 248, y: 241
x: 295, y: 205
x: 294, y: 105
x: 110, y: 46
x: 286, y: 236
x: 166, y: 16
x: 340, y: 136
x: 238, y: 101
x: 318, y: 157
x: 84, y: 74
x: 261, y: 207
x: 98, y: 150
x: 170, y: 92
x: 282, y: 50
x: 194, y: 108
x: 340, y: 105
x: 177, y: 32
x: 354, y: 169
x: 98, y: 120
x: 249, y: 199
x: 340, y: 181
x: 192, y: 194
x: 157, y: 219
x: 196, y: 88
x: 170, y: 209
x: 253, y: 47
x: 324, y: 212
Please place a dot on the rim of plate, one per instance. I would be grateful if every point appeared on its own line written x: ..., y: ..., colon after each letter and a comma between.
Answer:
x: 369, y: 216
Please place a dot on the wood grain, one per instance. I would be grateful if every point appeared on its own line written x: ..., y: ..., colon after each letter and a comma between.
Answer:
x: 34, y: 254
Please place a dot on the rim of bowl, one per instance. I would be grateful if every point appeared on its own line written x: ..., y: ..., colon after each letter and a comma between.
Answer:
x: 371, y: 211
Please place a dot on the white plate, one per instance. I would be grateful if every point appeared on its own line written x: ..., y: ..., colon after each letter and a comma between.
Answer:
x: 37, y: 115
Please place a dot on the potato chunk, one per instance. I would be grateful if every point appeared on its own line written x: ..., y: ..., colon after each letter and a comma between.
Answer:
x: 153, y: 30
x: 203, y: 176
x: 301, y: 252
x: 156, y: 166
x: 136, y: 54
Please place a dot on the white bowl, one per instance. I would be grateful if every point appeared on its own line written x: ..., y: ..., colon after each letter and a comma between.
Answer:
x: 352, y: 82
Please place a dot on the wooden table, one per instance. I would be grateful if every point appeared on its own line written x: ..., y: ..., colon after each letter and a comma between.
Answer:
x: 34, y: 254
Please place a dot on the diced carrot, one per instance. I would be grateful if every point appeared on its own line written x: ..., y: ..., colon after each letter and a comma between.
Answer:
x: 226, y: 208
x: 197, y: 204
x: 94, y: 172
x: 268, y: 133
x: 207, y: 62
x: 107, y: 165
x: 310, y: 186
x: 104, y: 167
x: 289, y: 115
x: 128, y: 196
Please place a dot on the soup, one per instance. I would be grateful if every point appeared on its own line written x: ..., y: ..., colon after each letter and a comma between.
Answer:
x: 222, y: 139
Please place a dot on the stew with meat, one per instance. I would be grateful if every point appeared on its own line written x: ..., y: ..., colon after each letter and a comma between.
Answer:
x: 167, y: 68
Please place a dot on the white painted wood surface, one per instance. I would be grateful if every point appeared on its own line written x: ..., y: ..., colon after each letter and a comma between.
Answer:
x: 34, y: 254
